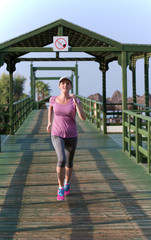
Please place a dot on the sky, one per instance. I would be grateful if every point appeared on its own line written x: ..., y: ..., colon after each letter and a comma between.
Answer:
x: 124, y: 21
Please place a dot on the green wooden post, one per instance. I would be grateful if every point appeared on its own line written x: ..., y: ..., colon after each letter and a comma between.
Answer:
x: 129, y: 134
x: 31, y: 78
x: 11, y: 102
x: 104, y: 68
x: 72, y: 83
x: 0, y: 143
x: 148, y: 147
x: 146, y: 78
x: 124, y: 96
x: 60, y: 30
x: 34, y: 90
x: 11, y: 68
x: 76, y: 75
x: 104, y: 101
x: 134, y: 84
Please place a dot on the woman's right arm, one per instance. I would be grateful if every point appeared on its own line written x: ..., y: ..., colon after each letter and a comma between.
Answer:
x: 50, y: 116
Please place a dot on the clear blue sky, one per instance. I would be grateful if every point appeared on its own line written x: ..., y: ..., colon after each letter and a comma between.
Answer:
x: 124, y: 21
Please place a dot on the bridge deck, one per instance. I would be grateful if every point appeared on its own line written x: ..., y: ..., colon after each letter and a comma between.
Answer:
x: 110, y: 195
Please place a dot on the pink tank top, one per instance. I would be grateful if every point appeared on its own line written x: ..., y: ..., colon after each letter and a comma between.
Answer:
x: 64, y: 119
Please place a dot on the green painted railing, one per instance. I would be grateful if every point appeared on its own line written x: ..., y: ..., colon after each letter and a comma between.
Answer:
x: 93, y: 110
x: 10, y: 123
x: 137, y: 139
x: 42, y: 102
x: 21, y: 110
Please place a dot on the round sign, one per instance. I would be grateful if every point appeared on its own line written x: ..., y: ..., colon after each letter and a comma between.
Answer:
x: 60, y: 43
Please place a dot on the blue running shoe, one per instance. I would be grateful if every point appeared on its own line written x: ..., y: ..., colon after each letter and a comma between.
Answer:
x: 60, y: 196
x: 66, y: 188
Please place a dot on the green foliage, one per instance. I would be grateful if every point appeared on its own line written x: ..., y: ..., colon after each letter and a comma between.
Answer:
x: 18, y: 87
x: 43, y: 90
x: 4, y: 89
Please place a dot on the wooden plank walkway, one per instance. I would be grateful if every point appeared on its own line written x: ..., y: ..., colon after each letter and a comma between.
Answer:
x: 110, y: 195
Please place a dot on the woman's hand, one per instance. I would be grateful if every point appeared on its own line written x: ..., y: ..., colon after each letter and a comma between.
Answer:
x: 79, y: 108
x: 49, y: 128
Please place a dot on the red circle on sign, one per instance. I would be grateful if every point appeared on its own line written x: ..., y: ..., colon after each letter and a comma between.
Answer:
x: 60, y: 43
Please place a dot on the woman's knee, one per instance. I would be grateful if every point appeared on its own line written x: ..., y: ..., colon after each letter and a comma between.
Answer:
x: 61, y: 162
x: 69, y: 164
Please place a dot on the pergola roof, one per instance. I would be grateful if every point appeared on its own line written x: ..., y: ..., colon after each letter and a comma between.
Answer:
x: 80, y: 40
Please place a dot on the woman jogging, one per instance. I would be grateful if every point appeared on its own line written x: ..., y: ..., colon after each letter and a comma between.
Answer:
x: 62, y: 125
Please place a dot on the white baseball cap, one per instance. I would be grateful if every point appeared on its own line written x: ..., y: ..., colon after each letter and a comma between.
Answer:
x: 65, y: 78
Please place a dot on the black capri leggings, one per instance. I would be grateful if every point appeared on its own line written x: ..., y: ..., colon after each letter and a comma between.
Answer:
x: 65, y: 150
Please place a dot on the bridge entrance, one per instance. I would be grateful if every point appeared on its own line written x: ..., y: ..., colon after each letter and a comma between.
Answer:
x: 102, y: 50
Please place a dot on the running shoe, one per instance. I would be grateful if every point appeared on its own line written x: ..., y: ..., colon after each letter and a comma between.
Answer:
x: 66, y: 188
x: 60, y: 196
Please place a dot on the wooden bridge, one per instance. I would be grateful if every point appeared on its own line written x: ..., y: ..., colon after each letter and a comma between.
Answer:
x: 110, y: 194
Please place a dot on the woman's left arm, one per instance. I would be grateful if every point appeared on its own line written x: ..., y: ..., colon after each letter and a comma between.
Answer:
x: 79, y: 108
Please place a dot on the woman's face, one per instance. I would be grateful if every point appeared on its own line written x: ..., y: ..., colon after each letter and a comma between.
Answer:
x: 65, y: 85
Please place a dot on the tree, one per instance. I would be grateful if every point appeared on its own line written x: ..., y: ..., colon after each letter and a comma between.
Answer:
x: 18, y: 87
x: 43, y: 90
x: 4, y: 89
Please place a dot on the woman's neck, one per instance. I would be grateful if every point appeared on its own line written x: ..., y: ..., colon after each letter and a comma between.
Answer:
x: 64, y: 96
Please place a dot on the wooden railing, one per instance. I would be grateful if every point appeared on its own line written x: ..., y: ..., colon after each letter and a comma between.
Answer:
x: 21, y: 110
x: 93, y: 110
x: 42, y: 102
x: 136, y: 128
x: 136, y: 137
x: 10, y: 123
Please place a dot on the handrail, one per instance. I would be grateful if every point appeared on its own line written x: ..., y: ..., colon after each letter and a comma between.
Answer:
x: 137, y: 138
x: 42, y: 101
x: 21, y: 110
x: 141, y: 105
x: 93, y: 110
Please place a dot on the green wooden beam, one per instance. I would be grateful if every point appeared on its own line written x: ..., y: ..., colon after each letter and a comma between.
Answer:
x: 136, y: 47
x: 128, y: 48
x: 54, y: 68
x: 71, y: 49
x: 54, y: 59
x: 47, y: 78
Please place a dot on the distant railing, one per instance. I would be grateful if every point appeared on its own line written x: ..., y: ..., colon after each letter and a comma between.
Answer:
x: 93, y: 110
x: 42, y: 102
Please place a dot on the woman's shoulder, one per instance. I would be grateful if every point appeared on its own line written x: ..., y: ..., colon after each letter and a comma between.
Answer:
x: 52, y: 100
